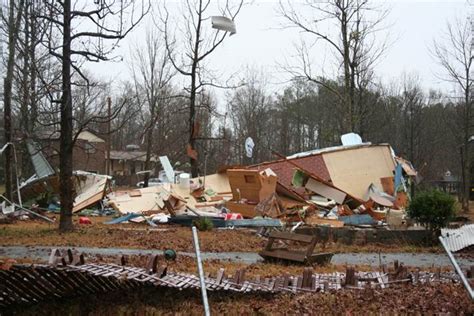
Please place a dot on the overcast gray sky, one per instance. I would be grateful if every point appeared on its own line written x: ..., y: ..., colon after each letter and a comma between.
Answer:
x: 261, y: 43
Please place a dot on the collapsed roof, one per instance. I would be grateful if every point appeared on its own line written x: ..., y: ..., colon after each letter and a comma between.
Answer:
x: 352, y: 168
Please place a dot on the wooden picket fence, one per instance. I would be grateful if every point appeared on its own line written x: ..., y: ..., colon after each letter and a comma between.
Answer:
x: 68, y: 276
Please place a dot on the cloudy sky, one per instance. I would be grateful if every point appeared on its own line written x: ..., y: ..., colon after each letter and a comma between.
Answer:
x: 261, y: 43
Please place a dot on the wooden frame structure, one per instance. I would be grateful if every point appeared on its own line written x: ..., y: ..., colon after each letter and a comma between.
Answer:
x: 307, y: 256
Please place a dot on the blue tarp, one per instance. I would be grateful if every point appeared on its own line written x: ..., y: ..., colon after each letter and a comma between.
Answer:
x: 123, y: 218
x: 255, y: 222
x: 398, y: 177
x: 362, y: 219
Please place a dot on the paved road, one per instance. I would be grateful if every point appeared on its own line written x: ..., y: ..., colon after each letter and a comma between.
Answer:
x: 373, y: 259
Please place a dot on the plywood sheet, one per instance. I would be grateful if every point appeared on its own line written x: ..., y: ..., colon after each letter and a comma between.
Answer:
x: 326, y: 191
x: 219, y: 182
x: 388, y: 185
x: 313, y: 220
x: 151, y: 199
x: 353, y: 170
x: 251, y: 185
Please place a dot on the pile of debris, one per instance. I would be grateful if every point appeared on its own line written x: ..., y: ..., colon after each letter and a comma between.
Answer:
x: 356, y: 184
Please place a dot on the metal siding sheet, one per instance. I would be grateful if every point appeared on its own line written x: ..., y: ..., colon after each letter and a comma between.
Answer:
x: 41, y: 165
x: 460, y: 238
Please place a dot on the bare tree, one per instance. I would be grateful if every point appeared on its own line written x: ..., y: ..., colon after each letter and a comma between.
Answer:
x: 14, y: 19
x: 188, y: 52
x: 353, y: 46
x: 455, y: 55
x: 32, y: 57
x: 83, y: 43
x: 152, y: 73
x: 249, y: 112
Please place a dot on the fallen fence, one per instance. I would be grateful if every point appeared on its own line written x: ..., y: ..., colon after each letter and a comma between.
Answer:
x: 68, y: 276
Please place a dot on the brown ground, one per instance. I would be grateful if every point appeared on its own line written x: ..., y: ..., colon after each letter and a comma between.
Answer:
x: 401, y: 299
x: 179, y: 238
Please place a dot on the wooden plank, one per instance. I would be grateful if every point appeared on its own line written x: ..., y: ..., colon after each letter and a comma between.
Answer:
x: 282, y: 254
x: 32, y: 281
x: 88, y: 281
x: 307, y: 274
x: 63, y: 278
x: 56, y: 280
x: 220, y: 275
x: 314, y: 220
x: 53, y: 257
x: 16, y: 287
x: 49, y: 283
x: 320, y: 258
x: 16, y: 282
x: 388, y: 185
x: 291, y: 236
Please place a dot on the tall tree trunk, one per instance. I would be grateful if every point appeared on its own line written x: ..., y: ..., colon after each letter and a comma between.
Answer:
x: 149, y: 144
x: 192, y: 97
x: 466, y: 158
x: 66, y: 142
x: 32, y: 52
x: 13, y: 26
x: 347, y: 77
x: 25, y: 88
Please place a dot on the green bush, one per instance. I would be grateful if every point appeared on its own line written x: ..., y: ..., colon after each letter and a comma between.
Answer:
x: 433, y: 209
x: 203, y: 224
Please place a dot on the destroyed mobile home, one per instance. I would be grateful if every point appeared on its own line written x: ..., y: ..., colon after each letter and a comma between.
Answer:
x: 357, y: 184
x: 347, y: 185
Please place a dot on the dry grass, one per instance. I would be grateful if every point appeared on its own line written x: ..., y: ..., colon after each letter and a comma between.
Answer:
x: 140, y: 236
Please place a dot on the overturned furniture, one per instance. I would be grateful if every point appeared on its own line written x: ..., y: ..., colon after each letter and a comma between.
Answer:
x: 303, y: 256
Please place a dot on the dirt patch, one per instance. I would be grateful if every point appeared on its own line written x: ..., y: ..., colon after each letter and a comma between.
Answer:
x: 140, y: 236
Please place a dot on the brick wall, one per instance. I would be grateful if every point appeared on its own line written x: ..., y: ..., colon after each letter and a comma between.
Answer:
x: 86, y: 156
x: 89, y: 156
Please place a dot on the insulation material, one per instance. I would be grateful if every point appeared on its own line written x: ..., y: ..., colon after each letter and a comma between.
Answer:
x: 354, y: 169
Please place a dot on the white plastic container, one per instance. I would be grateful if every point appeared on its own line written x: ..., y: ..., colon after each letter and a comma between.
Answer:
x: 184, y: 180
